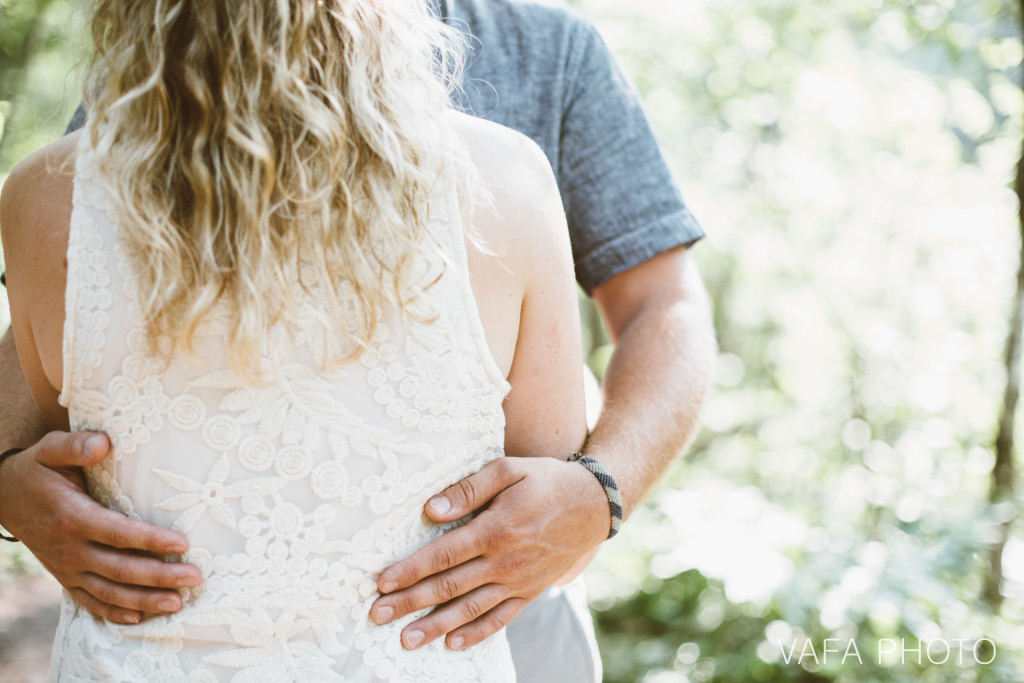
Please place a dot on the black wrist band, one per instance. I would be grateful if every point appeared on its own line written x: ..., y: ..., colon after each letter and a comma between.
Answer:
x: 4, y: 456
x: 611, y: 489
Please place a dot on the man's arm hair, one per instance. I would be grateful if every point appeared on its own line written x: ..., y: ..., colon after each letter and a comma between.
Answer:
x: 660, y: 318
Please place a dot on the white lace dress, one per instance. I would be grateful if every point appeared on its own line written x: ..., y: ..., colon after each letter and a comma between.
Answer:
x: 294, y: 496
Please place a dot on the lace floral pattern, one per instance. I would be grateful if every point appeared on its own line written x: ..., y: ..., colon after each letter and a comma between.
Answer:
x: 295, y: 494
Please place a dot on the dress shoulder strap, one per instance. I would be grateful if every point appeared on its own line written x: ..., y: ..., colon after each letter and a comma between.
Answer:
x: 87, y: 297
x: 450, y: 215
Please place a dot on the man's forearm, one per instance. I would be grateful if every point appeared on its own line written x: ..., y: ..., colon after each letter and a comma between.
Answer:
x: 21, y: 423
x: 654, y: 386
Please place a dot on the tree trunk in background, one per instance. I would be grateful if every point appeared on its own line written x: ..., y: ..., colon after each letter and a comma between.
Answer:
x: 1003, y: 475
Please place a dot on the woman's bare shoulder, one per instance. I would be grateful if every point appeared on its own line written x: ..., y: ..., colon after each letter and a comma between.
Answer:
x: 503, y: 157
x: 518, y: 243
x: 35, y: 205
x: 544, y: 412
x: 35, y: 214
x: 520, y: 207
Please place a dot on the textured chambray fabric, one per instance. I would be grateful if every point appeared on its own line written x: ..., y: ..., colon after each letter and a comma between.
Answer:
x: 547, y: 73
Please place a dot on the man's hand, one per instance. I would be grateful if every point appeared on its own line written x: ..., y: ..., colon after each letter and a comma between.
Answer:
x: 542, y: 517
x: 97, y: 554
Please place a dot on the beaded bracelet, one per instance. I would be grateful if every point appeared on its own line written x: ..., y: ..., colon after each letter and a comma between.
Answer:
x: 611, y: 489
x: 4, y: 456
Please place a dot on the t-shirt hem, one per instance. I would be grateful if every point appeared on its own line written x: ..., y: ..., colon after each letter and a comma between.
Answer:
x: 632, y: 248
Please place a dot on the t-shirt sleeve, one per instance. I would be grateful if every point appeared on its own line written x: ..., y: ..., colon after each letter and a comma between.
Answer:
x: 622, y: 204
x: 77, y: 121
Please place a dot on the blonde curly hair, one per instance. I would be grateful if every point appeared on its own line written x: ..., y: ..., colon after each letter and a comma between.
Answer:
x: 256, y: 149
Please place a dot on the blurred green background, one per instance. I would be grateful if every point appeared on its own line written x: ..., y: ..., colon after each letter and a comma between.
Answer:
x: 853, y: 163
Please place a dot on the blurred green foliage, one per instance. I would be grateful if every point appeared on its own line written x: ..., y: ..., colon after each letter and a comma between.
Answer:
x: 851, y: 161
x: 41, y: 44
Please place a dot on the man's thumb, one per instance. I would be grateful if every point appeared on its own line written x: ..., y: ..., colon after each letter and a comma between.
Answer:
x: 472, y: 493
x: 72, y: 449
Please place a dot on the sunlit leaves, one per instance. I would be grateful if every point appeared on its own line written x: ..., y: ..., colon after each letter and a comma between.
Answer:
x: 851, y: 161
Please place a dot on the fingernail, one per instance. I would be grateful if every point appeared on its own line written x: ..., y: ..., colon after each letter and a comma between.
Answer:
x: 440, y: 504
x: 177, y: 548
x: 131, y: 618
x: 384, y: 615
x: 91, y: 443
x: 188, y: 582
x: 458, y: 642
x: 388, y: 586
x: 167, y: 605
x: 414, y: 638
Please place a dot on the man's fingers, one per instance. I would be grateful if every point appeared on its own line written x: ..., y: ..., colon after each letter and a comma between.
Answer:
x: 101, y: 609
x: 486, y: 625
x: 130, y: 598
x: 442, y: 620
x: 114, y: 529
x: 452, y: 549
x: 435, y: 590
x: 144, y: 572
x: 72, y: 449
x: 473, y: 492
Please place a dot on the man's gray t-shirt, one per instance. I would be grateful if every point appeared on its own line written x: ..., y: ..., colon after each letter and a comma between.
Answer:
x: 545, y: 72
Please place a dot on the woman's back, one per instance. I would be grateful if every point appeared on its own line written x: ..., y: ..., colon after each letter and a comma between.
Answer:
x: 294, y: 494
x: 413, y: 422
x: 305, y: 241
